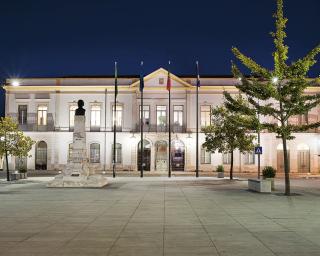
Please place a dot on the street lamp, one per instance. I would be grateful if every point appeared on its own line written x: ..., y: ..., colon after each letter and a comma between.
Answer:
x: 275, y: 80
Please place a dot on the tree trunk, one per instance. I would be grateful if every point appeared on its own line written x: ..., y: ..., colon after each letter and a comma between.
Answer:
x: 231, y: 166
x: 7, y: 165
x: 286, y: 167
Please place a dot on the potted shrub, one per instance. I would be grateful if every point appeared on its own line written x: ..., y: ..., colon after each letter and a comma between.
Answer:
x: 23, y: 172
x: 220, y: 171
x: 269, y: 173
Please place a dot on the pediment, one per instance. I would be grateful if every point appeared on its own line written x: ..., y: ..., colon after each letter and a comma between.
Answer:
x: 158, y: 79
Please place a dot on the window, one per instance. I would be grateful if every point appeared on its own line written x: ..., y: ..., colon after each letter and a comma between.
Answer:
x: 117, y: 117
x: 94, y: 153
x: 118, y: 153
x: 161, y: 80
x: 72, y: 111
x: 178, y: 115
x: 95, y: 116
x: 249, y: 158
x: 226, y: 158
x: 205, y: 116
x: 42, y: 115
x: 303, y: 119
x: 22, y: 114
x: 205, y: 156
x: 161, y: 116
x: 146, y: 114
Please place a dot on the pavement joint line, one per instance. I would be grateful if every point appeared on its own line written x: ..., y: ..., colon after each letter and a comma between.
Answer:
x: 67, y: 242
x: 203, y: 226
x: 231, y: 216
x: 124, y: 227
x: 275, y: 221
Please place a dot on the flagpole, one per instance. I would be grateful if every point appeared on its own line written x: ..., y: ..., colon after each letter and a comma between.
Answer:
x: 114, y: 120
x: 141, y: 122
x: 197, y: 122
x: 169, y: 89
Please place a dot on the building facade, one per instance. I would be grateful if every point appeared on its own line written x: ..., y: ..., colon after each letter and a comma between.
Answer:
x: 44, y: 109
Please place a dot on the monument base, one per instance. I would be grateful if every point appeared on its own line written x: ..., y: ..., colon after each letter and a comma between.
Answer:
x: 91, y: 181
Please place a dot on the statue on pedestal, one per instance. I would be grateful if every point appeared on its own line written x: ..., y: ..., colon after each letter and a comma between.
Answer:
x: 78, y: 172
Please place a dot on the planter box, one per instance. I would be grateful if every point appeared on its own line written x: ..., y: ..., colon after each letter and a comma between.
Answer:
x: 261, y: 186
x: 220, y: 174
x: 272, y: 183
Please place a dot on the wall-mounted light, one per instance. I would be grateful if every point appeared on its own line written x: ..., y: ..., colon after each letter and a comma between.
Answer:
x: 132, y: 136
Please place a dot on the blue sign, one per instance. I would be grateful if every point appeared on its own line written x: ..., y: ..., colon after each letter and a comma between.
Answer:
x: 258, y: 150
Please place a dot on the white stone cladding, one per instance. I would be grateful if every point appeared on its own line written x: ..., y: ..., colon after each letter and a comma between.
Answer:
x: 58, y: 94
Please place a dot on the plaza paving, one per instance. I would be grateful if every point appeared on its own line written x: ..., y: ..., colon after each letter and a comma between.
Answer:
x: 156, y: 216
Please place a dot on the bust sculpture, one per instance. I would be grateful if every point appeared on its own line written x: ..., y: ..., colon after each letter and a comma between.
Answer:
x: 80, y: 111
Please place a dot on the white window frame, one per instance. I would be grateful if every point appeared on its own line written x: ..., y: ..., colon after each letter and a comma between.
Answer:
x: 43, y: 115
x: 204, y: 122
x: 95, y: 115
x: 178, y: 115
x: 115, y: 116
x: 205, y: 156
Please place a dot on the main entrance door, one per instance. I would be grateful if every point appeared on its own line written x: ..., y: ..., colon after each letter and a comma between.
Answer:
x: 303, y: 158
x: 161, y: 156
x: 41, y: 156
x: 146, y: 155
x: 177, y: 155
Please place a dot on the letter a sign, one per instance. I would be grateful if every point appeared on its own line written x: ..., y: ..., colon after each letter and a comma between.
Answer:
x: 258, y: 150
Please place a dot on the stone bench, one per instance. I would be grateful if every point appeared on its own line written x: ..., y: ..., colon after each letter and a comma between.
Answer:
x: 261, y: 186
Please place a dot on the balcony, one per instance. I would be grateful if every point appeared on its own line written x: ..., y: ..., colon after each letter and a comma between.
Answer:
x: 32, y: 125
x: 160, y: 128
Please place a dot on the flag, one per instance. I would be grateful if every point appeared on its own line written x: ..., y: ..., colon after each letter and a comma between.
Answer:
x: 198, y: 76
x: 141, y: 79
x: 115, y: 79
x: 169, y: 82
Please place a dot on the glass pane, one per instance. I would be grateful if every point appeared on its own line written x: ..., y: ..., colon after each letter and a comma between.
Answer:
x: 72, y: 110
x: 95, y: 115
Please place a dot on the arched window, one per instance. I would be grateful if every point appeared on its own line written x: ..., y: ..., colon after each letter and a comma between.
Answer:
x: 95, y: 153
x: 118, y: 153
x: 205, y: 156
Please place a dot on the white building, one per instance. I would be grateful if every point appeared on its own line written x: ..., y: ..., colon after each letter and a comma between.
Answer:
x: 44, y: 109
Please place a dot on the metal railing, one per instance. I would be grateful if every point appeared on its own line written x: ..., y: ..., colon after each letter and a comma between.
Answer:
x: 160, y: 128
x: 32, y: 123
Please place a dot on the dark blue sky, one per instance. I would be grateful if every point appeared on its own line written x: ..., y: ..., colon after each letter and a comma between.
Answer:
x: 42, y: 38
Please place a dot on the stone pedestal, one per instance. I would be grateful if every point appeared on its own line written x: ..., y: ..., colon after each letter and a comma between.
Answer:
x: 77, y: 172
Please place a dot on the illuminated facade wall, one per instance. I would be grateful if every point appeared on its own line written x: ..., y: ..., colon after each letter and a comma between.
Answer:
x: 44, y: 109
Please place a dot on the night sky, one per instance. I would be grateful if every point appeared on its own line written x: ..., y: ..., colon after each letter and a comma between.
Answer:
x: 41, y: 38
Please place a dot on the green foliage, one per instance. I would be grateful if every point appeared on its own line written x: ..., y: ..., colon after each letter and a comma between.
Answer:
x: 279, y: 93
x: 220, y: 168
x: 12, y: 140
x: 228, y: 132
x: 269, y: 172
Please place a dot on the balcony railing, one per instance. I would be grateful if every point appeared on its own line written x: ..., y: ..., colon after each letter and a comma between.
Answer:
x: 160, y: 128
x: 32, y: 123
